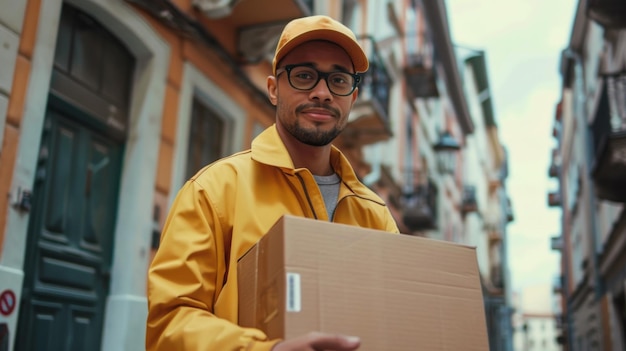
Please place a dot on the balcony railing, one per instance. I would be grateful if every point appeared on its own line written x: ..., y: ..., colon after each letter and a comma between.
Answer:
x: 369, y: 119
x: 469, y: 203
x: 556, y: 243
x: 421, y: 78
x: 608, y: 13
x: 609, y: 137
x: 510, y: 216
x: 217, y: 9
x: 557, y: 285
x: 376, y: 83
x: 555, y: 164
x: 419, y: 207
x: 497, y: 279
x: 554, y: 170
x: 554, y: 199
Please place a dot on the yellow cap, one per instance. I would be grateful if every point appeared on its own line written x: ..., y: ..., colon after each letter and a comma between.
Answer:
x: 319, y: 27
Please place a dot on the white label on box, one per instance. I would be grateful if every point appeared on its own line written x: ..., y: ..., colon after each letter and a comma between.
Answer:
x: 293, y: 292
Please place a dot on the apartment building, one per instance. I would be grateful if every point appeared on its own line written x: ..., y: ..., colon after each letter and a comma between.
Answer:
x: 485, y: 205
x: 589, y: 164
x: 534, y: 321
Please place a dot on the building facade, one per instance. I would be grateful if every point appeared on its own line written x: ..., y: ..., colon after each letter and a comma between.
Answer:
x: 485, y: 206
x: 589, y: 164
x: 534, y: 322
x: 108, y: 106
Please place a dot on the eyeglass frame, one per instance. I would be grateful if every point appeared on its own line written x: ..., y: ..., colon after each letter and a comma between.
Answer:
x: 287, y: 68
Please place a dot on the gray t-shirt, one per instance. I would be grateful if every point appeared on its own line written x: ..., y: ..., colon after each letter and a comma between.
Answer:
x: 329, y: 186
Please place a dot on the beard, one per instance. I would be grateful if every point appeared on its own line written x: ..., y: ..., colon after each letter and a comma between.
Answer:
x: 313, y: 136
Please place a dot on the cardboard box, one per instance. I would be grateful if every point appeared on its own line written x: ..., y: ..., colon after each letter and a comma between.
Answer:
x: 396, y: 292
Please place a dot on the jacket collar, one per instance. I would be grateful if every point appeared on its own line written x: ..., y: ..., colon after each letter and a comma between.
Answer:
x: 268, y: 148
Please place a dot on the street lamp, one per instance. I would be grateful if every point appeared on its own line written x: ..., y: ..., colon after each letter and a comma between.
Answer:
x: 446, y: 148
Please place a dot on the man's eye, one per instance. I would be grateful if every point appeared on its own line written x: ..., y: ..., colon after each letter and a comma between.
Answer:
x: 340, y: 79
x: 304, y: 75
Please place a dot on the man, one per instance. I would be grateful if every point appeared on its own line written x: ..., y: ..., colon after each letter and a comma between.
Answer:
x: 291, y: 168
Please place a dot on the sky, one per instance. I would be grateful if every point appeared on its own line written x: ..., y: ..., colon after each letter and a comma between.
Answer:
x: 523, y: 40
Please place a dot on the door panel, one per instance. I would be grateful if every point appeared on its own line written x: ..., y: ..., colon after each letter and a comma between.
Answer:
x: 47, y: 326
x: 58, y: 201
x: 50, y: 327
x: 70, y: 235
x: 85, y: 327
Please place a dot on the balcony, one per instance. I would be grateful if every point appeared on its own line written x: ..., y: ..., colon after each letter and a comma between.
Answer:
x: 554, y: 170
x: 369, y: 120
x: 469, y: 203
x: 554, y: 199
x: 609, y: 138
x: 557, y: 285
x: 419, y: 208
x: 555, y: 164
x: 497, y: 278
x: 243, y: 31
x: 556, y: 243
x: 420, y: 77
x: 247, y: 13
x: 610, y: 14
x: 508, y: 211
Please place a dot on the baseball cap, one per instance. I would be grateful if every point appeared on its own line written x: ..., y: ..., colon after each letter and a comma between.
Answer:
x: 320, y: 27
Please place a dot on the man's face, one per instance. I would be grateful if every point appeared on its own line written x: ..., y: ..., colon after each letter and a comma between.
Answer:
x: 316, y: 116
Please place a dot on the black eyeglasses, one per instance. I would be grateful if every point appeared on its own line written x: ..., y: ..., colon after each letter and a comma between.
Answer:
x: 305, y: 77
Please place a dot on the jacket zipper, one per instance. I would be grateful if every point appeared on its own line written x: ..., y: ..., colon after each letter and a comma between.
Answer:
x: 306, y: 193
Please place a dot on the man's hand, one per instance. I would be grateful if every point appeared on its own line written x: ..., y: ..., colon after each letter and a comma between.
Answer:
x: 316, y: 341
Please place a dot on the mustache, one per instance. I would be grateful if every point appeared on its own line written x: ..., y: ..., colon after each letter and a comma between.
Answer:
x: 332, y: 110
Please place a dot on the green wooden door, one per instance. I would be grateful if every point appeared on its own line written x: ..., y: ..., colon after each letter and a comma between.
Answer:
x: 72, y: 220
x: 68, y: 259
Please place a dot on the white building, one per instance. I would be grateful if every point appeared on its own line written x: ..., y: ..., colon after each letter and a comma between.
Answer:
x: 534, y: 323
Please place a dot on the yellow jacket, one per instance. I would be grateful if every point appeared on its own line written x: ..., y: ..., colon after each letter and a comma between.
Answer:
x: 216, y: 217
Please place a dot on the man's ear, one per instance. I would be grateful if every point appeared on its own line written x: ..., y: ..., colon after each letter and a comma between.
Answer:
x: 272, y: 89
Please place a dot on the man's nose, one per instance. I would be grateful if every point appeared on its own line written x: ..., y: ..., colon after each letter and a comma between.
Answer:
x: 321, y: 91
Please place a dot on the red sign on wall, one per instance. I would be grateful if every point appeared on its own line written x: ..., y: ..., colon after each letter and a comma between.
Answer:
x: 7, y: 302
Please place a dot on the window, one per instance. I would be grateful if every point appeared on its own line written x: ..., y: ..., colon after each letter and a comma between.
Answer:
x: 206, y: 137
x: 93, y: 69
